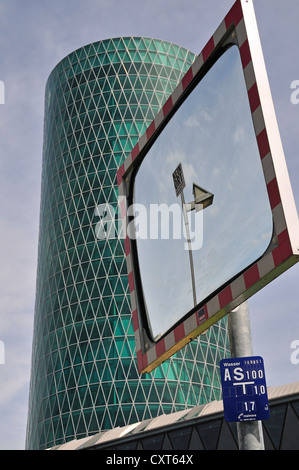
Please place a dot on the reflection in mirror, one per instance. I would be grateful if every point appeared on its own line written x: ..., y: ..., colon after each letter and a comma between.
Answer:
x: 210, y: 142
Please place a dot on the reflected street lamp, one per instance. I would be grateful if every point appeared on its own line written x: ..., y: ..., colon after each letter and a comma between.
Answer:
x: 202, y: 199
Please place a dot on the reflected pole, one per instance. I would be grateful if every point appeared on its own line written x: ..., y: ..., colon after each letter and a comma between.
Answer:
x: 189, y: 246
x: 250, y: 433
x: 179, y: 185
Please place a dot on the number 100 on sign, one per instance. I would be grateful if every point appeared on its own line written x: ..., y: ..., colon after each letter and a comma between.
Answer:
x: 244, y: 389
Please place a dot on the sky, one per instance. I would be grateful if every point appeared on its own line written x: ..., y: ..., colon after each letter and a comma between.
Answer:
x: 34, y: 36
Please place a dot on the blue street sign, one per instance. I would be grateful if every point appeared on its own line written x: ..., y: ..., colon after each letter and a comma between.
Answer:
x: 244, y: 389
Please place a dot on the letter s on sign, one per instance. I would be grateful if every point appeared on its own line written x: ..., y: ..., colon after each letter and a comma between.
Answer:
x: 238, y: 373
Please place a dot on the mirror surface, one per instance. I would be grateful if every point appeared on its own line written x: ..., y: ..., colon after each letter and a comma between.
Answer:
x: 212, y: 137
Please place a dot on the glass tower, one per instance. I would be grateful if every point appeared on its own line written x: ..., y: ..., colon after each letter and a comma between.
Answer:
x: 84, y: 379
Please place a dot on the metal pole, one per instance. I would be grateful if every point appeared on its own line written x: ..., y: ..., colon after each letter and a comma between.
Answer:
x: 250, y: 433
x: 189, y: 247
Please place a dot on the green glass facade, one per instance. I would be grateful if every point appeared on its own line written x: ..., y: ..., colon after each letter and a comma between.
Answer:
x: 84, y: 379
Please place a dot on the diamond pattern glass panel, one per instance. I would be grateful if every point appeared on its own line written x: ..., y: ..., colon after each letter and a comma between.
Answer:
x: 99, y: 101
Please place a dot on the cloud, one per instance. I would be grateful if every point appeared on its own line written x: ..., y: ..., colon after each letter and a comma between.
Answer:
x: 192, y: 121
x: 239, y: 135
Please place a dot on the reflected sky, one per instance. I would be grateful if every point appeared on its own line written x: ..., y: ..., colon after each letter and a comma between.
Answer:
x: 212, y: 136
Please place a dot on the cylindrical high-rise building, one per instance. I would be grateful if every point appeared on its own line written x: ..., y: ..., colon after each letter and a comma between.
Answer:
x: 99, y: 101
